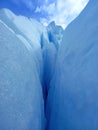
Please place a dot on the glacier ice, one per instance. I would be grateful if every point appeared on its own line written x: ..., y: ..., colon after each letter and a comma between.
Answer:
x: 55, y: 34
x: 21, y: 99
x: 26, y: 56
x: 72, y: 102
x: 21, y: 70
x: 47, y: 83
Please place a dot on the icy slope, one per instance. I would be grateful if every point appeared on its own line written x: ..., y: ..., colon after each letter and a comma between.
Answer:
x: 21, y: 70
x: 27, y: 62
x: 73, y: 95
x: 28, y: 28
x: 21, y: 102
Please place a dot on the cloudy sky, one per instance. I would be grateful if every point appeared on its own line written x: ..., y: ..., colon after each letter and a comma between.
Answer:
x: 60, y: 11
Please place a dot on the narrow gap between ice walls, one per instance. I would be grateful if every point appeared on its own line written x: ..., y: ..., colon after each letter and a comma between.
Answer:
x: 50, y: 43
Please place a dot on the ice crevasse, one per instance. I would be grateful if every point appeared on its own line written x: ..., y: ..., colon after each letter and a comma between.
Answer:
x: 47, y: 83
x: 27, y: 51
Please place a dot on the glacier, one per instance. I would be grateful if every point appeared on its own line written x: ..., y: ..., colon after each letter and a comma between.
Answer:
x: 49, y: 76
x: 21, y: 98
x: 26, y: 53
x: 72, y: 102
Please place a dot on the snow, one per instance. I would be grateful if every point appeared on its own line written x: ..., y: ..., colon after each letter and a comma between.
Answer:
x: 72, y: 97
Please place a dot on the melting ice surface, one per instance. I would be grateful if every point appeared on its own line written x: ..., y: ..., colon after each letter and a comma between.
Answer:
x: 47, y: 83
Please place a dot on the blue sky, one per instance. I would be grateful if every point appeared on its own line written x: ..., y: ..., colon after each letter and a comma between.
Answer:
x: 60, y: 11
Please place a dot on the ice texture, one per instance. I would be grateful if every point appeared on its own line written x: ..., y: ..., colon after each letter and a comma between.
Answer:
x: 55, y: 34
x: 27, y: 61
x: 21, y: 70
x: 47, y: 83
x: 73, y: 94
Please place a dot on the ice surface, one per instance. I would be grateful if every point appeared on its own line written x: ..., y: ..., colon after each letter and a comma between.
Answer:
x: 47, y: 82
x: 21, y: 99
x: 21, y: 70
x: 55, y: 34
x: 73, y: 95
x: 27, y: 61
x: 49, y: 58
x: 28, y: 28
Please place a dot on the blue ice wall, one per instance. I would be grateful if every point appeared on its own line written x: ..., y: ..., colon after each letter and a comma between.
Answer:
x: 27, y: 61
x: 21, y: 70
x: 21, y: 99
x: 72, y: 98
x: 55, y: 34
x: 47, y: 83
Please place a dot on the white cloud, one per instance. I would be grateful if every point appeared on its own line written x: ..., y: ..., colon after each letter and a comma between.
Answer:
x: 60, y: 11
x: 38, y: 10
x: 64, y: 11
x: 49, y: 9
